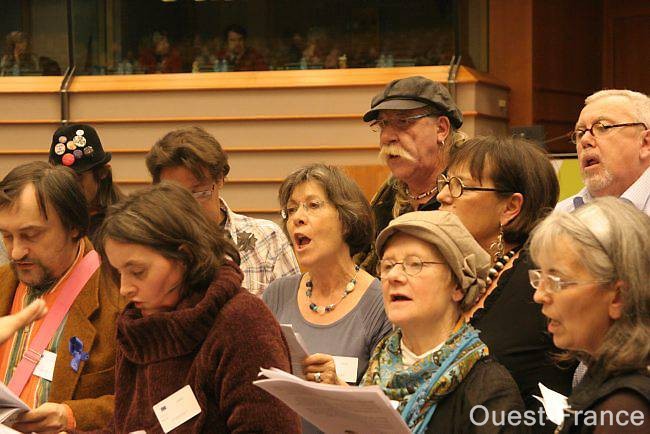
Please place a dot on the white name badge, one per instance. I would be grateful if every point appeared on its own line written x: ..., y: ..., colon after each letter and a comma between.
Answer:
x: 346, y: 368
x: 176, y: 409
x: 45, y: 367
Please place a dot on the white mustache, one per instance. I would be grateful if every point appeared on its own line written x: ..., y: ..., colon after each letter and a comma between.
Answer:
x: 387, y: 151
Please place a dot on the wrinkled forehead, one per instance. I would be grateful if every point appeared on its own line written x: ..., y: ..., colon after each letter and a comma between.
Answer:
x: 614, y: 108
x: 25, y: 211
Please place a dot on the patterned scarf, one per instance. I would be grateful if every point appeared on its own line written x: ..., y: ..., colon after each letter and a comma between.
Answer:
x: 418, y: 388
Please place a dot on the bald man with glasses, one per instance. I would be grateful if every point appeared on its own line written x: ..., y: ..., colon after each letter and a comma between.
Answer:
x: 416, y: 121
x: 612, y: 139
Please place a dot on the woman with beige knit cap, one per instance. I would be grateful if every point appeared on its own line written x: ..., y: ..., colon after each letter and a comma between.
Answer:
x: 433, y: 365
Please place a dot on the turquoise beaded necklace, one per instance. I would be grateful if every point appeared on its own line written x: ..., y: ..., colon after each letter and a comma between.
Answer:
x: 330, y: 307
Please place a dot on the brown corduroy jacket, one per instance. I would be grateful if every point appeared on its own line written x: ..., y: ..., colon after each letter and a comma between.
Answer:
x: 91, y: 318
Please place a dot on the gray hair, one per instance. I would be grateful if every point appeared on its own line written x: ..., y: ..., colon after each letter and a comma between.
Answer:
x: 612, y: 238
x: 639, y: 102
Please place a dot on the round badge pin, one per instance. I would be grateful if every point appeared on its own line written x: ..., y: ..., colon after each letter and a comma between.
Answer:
x: 67, y: 160
x: 71, y: 146
x: 79, y: 141
x: 78, y: 153
x: 88, y: 150
x: 59, y: 149
x: 80, y: 132
x: 63, y: 139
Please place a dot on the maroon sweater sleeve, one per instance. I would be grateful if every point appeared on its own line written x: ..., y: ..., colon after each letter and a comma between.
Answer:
x: 250, y: 339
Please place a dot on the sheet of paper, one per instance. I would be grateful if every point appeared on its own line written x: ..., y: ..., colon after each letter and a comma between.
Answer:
x: 176, y: 409
x: 10, y: 404
x: 335, y: 409
x: 297, y: 349
x: 346, y: 368
x: 6, y: 430
x: 45, y: 367
x: 554, y: 404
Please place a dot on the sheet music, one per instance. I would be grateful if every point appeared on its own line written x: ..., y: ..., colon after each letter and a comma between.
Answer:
x: 297, y: 349
x: 335, y: 409
x: 10, y: 404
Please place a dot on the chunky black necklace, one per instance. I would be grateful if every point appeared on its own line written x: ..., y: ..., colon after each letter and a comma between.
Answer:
x: 330, y: 307
x: 421, y: 195
x: 501, y: 262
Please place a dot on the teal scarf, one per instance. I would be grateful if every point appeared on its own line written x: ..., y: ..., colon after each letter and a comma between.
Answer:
x: 418, y: 388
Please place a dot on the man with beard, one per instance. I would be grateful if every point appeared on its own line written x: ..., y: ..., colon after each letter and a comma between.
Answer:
x: 417, y: 122
x: 43, y: 221
x: 612, y: 139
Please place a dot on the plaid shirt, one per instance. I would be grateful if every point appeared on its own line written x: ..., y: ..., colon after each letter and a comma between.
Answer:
x: 265, y: 252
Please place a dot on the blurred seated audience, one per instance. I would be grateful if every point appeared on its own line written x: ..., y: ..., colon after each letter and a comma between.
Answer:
x: 160, y: 56
x: 17, y: 58
x: 500, y: 188
x: 189, y: 322
x: 238, y: 55
x: 594, y: 288
x: 433, y: 364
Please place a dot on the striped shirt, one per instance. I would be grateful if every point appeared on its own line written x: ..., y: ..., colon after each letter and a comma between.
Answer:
x: 37, y: 389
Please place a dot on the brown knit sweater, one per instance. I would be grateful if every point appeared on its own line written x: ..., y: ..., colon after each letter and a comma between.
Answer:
x: 216, y: 341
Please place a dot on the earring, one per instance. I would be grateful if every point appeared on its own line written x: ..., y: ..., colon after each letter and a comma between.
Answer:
x: 497, y: 247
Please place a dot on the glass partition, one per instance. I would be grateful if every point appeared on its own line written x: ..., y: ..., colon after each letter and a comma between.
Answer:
x: 170, y: 36
x: 34, y: 37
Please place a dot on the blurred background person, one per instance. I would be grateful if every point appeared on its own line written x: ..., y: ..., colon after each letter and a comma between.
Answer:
x: 17, y: 58
x: 335, y: 305
x: 189, y: 321
x: 239, y: 55
x: 161, y: 56
x: 78, y: 147
x: 193, y: 158
x: 593, y: 286
x: 500, y: 188
x: 433, y: 363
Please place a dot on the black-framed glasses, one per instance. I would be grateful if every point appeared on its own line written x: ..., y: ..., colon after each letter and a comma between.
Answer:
x: 599, y: 129
x: 311, y: 207
x: 553, y: 283
x: 456, y: 186
x: 203, y: 194
x: 400, y: 123
x: 411, y: 265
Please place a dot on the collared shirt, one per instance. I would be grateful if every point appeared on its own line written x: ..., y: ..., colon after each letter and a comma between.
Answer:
x: 638, y: 194
x: 265, y: 252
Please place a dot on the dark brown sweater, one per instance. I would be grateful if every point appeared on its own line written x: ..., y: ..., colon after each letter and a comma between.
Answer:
x: 215, y: 341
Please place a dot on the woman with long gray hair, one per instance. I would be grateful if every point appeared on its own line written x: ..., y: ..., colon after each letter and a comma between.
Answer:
x: 593, y: 286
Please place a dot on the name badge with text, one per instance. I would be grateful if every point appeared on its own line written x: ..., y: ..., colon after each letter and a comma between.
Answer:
x: 346, y: 368
x: 45, y: 367
x: 176, y: 409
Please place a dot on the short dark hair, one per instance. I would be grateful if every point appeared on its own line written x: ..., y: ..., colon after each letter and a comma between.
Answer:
x: 517, y: 166
x: 181, y: 232
x: 353, y: 208
x: 54, y: 185
x: 193, y: 148
x: 236, y: 28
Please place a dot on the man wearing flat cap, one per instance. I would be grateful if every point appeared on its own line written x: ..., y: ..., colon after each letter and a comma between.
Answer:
x: 417, y: 121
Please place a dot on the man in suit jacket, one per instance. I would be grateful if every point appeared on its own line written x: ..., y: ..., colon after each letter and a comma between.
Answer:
x: 43, y: 220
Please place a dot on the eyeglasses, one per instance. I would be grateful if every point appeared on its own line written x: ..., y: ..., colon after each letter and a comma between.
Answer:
x: 311, y: 207
x: 399, y: 123
x: 456, y: 186
x: 553, y: 283
x: 203, y: 194
x: 411, y: 265
x: 599, y: 129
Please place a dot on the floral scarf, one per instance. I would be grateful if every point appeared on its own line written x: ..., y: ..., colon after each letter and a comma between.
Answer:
x: 418, y: 388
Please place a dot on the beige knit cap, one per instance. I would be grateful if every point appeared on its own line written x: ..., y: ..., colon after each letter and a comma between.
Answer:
x: 442, y: 229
